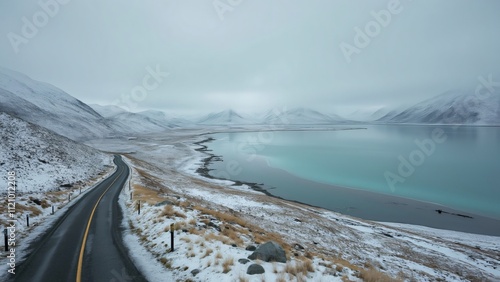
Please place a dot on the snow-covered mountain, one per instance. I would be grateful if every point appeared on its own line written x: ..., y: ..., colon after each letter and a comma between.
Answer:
x: 43, y: 160
x: 300, y: 116
x: 169, y: 120
x: 151, y: 118
x: 226, y: 117
x: 130, y: 123
x: 452, y: 107
x: 50, y: 107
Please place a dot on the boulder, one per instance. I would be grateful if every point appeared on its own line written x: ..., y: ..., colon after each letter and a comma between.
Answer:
x: 255, y: 269
x: 251, y: 248
x: 270, y: 251
x: 243, y: 261
x: 195, y: 272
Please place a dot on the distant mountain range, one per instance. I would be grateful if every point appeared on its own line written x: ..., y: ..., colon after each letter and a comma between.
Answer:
x: 223, y: 118
x: 453, y: 107
x: 39, y: 124
x: 50, y: 107
x: 297, y: 116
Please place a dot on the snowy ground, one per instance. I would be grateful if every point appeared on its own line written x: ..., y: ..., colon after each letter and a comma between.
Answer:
x: 40, y: 215
x: 43, y: 160
x: 215, y: 222
x: 51, y: 171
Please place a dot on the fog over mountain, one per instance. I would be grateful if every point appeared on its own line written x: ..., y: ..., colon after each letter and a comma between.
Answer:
x: 452, y: 107
x: 192, y: 57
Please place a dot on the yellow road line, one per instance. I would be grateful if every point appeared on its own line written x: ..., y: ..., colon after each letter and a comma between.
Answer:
x: 84, y: 242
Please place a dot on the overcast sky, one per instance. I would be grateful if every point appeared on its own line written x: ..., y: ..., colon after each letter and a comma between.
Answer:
x: 251, y: 55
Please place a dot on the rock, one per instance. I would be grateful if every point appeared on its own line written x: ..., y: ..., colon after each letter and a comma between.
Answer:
x: 251, y: 248
x: 37, y: 201
x: 195, y: 272
x: 387, y: 234
x: 167, y: 202
x: 270, y: 251
x: 243, y: 261
x: 298, y: 247
x: 255, y: 269
x: 214, y: 226
x: 234, y: 245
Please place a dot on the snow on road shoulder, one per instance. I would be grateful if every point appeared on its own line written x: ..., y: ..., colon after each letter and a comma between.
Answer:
x: 41, y: 216
x: 210, y: 244
x: 363, y: 248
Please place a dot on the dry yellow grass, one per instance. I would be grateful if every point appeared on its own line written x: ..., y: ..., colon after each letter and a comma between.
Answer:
x: 308, y: 265
x: 170, y: 212
x: 299, y: 267
x: 373, y: 275
x: 232, y: 234
x: 146, y: 195
x: 291, y: 269
x: 167, y: 263
x: 218, y: 255
x: 195, y: 231
x: 226, y: 264
x: 207, y: 253
x: 225, y: 217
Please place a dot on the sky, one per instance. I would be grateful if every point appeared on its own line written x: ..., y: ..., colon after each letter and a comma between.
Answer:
x: 201, y: 56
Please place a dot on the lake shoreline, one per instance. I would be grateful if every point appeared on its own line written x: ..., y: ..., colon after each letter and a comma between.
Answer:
x: 429, y: 214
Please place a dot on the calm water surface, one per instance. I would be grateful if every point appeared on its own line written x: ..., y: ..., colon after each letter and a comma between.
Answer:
x: 457, y: 167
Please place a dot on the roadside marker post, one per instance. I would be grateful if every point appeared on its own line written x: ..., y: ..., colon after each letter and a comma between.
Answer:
x: 27, y: 220
x: 52, y: 209
x: 69, y: 197
x: 172, y: 237
x: 139, y: 207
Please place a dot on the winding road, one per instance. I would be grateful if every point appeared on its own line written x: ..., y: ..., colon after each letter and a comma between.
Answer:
x: 85, y: 244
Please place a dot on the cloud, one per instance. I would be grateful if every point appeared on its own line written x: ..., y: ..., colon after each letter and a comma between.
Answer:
x: 261, y: 54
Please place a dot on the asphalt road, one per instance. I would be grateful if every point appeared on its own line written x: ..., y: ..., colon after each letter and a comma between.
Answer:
x: 85, y: 244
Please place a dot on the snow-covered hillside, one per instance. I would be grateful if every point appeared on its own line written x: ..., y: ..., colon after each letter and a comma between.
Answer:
x: 300, y: 116
x: 108, y: 110
x: 48, y: 106
x: 43, y: 160
x: 452, y: 107
x: 131, y: 123
x: 170, y: 121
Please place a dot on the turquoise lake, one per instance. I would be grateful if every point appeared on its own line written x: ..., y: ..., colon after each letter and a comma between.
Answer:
x: 455, y: 167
